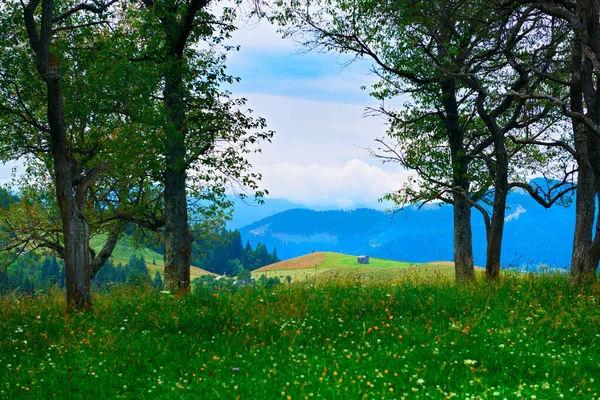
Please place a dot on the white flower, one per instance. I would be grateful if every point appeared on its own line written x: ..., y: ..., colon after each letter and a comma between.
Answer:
x: 420, y: 382
x: 470, y: 362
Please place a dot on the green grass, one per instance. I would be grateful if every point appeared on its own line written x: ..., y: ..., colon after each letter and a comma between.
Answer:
x: 332, y: 339
x: 338, y: 260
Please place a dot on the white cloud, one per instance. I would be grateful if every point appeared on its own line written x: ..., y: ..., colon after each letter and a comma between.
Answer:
x: 351, y: 184
x: 319, y: 154
x: 520, y: 210
x: 314, y: 132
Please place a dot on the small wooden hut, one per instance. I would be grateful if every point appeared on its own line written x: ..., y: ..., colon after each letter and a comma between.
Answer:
x: 363, y: 259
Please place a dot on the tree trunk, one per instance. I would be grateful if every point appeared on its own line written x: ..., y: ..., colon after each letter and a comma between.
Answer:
x: 501, y: 187
x: 463, y: 236
x: 590, y: 266
x: 75, y: 229
x: 499, y: 171
x: 463, y: 240
x: 586, y: 183
x: 591, y: 263
x: 584, y: 208
x: 177, y: 243
x: 177, y: 237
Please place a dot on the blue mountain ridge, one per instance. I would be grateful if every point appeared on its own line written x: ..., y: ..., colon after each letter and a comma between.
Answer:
x: 533, y: 235
x: 247, y: 211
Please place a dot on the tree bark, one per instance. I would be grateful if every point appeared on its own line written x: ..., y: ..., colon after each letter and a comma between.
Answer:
x: 586, y: 183
x: 499, y: 172
x: 463, y: 240
x: 501, y: 188
x: 177, y: 237
x: 463, y: 236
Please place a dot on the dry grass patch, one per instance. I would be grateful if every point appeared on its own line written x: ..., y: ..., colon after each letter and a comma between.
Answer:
x: 308, y: 261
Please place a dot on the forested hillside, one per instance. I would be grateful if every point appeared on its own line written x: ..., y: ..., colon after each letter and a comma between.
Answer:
x: 33, y: 273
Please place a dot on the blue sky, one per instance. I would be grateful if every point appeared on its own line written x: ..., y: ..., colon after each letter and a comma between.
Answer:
x: 314, y: 102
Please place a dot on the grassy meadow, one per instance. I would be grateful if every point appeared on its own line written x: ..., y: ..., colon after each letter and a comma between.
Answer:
x: 529, y: 337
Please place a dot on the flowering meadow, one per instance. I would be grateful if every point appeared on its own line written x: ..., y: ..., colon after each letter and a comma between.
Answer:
x: 529, y: 337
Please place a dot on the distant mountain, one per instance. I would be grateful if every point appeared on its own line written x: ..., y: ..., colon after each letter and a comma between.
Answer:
x: 533, y: 235
x: 247, y: 211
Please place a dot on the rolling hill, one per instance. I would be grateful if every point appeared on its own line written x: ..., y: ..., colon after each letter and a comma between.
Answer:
x: 337, y: 265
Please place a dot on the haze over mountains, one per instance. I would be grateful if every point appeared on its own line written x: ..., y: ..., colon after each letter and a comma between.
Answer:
x: 533, y: 235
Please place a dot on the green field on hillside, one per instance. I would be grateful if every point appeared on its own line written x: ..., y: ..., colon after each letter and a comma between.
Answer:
x: 337, y: 265
x: 530, y: 337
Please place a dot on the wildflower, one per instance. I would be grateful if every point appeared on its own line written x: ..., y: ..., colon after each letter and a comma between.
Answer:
x: 235, y: 369
x: 420, y: 381
x: 470, y: 362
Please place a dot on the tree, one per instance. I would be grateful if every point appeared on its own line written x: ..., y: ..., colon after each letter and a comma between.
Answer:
x: 40, y: 37
x: 247, y: 255
x: 511, y: 33
x: 108, y: 274
x: 244, y: 275
x: 236, y: 245
x: 582, y: 107
x: 158, y: 283
x: 234, y: 266
x: 197, y: 117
